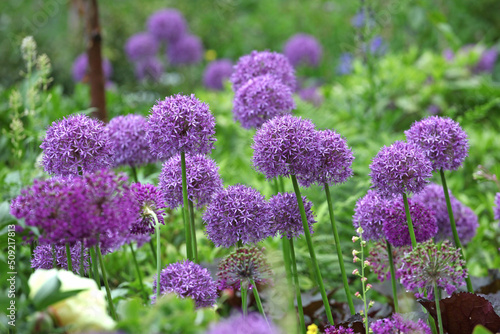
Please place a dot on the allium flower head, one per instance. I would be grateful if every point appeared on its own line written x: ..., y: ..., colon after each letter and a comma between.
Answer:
x: 487, y: 61
x: 379, y: 259
x: 253, y: 323
x: 148, y: 69
x: 241, y: 267
x: 237, y: 213
x: 148, y: 198
x: 429, y: 263
x: 81, y: 68
x: 186, y: 50
x: 286, y: 145
x: 188, y: 279
x: 43, y: 257
x: 285, y: 215
x: 395, y: 226
x: 141, y: 46
x: 338, y: 330
x: 167, y: 25
x: 399, y: 325
x: 400, y: 168
x: 303, y: 49
x: 202, y: 176
x: 432, y: 197
x: 127, y: 136
x: 260, y: 99
x: 216, y: 73
x: 345, y: 64
x: 76, y: 144
x: 180, y: 123
x: 311, y: 94
x: 260, y: 63
x: 370, y: 214
x: 442, y: 139
x: 496, y: 208
x: 363, y: 18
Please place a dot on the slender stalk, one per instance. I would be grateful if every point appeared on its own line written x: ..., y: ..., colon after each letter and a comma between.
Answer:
x: 281, y: 184
x: 54, y: 258
x: 393, y: 277
x: 312, y: 254
x: 257, y: 299
x: 187, y: 225
x: 297, y: 286
x: 139, y: 275
x: 32, y: 248
x: 95, y: 264
x: 286, y: 259
x: 244, y: 292
x: 410, y: 224
x: 276, y: 186
x: 82, y: 259
x: 91, y: 272
x: 134, y: 173
x: 437, y: 294
x: 68, y: 256
x: 193, y: 231
x: 105, y: 279
x: 158, y: 252
x: 458, y: 244
x: 339, y: 250
x: 363, y: 285
x: 153, y: 252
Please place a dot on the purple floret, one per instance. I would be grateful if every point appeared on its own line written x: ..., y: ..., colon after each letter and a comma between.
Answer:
x: 76, y: 144
x: 399, y: 325
x: 260, y: 63
x: 81, y: 68
x: 285, y: 215
x: 149, y: 69
x: 216, y: 73
x: 237, y: 213
x: 202, y: 177
x: 188, y: 279
x: 187, y: 50
x: 400, y: 168
x: 141, y: 46
x: 260, y: 99
x: 379, y: 259
x: 303, y: 49
x: 43, y: 257
x: 180, y: 123
x: 338, y: 330
x: 148, y: 198
x: 370, y: 214
x: 127, y: 135
x: 252, y: 323
x: 496, y: 208
x: 286, y: 145
x: 167, y: 25
x: 442, y: 139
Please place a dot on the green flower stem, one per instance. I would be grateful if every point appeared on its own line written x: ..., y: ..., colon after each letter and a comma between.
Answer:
x: 244, y: 292
x: 68, y: 256
x: 54, y: 258
x: 393, y: 277
x: 158, y: 253
x: 139, y: 275
x: 276, y: 186
x: 82, y: 267
x: 410, y: 224
x: 363, y: 285
x: 91, y: 272
x: 297, y: 286
x: 312, y: 254
x: 187, y: 224
x: 281, y: 184
x: 105, y: 279
x: 257, y: 299
x: 95, y: 264
x: 134, y: 173
x: 32, y: 248
x: 153, y: 252
x: 286, y: 258
x: 458, y: 244
x: 193, y: 232
x: 339, y: 250
x: 437, y: 297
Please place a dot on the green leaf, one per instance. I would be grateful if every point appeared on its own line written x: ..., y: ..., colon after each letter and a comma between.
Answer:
x: 479, y: 329
x: 49, y: 294
x: 57, y: 297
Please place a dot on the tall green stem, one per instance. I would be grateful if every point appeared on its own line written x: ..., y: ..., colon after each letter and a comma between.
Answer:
x: 54, y: 257
x: 393, y: 277
x: 68, y: 257
x: 82, y: 258
x: 458, y: 244
x: 193, y: 232
x: 257, y: 299
x: 152, y: 246
x: 437, y: 294
x: 410, y: 224
x: 134, y: 173
x: 105, y: 279
x: 363, y: 285
x: 158, y: 253
x: 339, y: 250
x: 312, y: 254
x: 139, y: 275
x: 95, y: 262
x: 297, y: 287
x: 187, y: 224
x: 286, y: 258
x: 244, y: 293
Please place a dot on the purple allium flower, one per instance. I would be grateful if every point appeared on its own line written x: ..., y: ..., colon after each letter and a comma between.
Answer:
x: 400, y: 168
x: 216, y: 73
x: 429, y: 263
x: 167, y: 25
x: 81, y: 68
x: 432, y: 197
x: 442, y: 140
x: 241, y: 267
x: 377, y: 46
x: 379, y: 259
x: 110, y: 245
x: 187, y: 50
x: 188, y: 279
x: 260, y: 63
x: 202, y: 176
x: 180, y: 123
x: 141, y: 46
x: 127, y: 136
x: 149, y: 69
x: 148, y: 198
x: 496, y: 208
x: 395, y: 226
x: 335, y: 161
x: 76, y: 144
x: 311, y: 94
x: 303, y: 49
x: 360, y: 19
x: 345, y: 64
x: 43, y: 257
x: 399, y: 325
x: 260, y: 99
x: 237, y: 213
x: 253, y: 323
x: 487, y: 61
x: 433, y: 109
x: 285, y: 215
x: 338, y: 330
x: 286, y: 145
x: 370, y: 214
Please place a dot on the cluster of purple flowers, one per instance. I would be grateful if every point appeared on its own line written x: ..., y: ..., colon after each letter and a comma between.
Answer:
x: 486, y: 62
x: 43, y: 257
x: 252, y: 323
x: 369, y: 214
x: 285, y: 215
x: 216, y: 73
x: 496, y: 209
x: 399, y: 325
x: 80, y: 69
x: 379, y: 259
x: 338, y: 330
x: 303, y: 49
x: 148, y: 198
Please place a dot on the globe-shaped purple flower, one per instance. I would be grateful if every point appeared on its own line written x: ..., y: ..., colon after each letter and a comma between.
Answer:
x: 379, y: 259
x: 149, y: 69
x: 400, y: 325
x: 496, y: 208
x: 260, y: 99
x: 148, y: 199
x: 487, y: 61
x: 312, y: 95
x: 252, y: 323
x: 370, y: 214
x: 81, y: 68
x: 43, y: 257
x: 442, y: 139
x: 260, y: 63
x: 202, y: 176
x: 432, y: 197
x: 188, y: 280
x: 400, y: 168
x: 285, y: 215
x: 395, y: 225
x: 237, y: 213
x: 303, y: 49
x: 167, y: 25
x: 216, y: 73
x: 187, y: 50
x: 141, y: 46
x: 286, y: 145
x: 127, y: 136
x: 180, y: 123
x: 76, y: 144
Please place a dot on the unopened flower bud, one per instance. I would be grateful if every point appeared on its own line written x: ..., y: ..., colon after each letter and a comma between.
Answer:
x: 364, y: 279
x: 356, y: 259
x: 354, y: 239
x: 355, y: 252
x: 355, y: 272
x: 367, y: 263
x: 357, y: 294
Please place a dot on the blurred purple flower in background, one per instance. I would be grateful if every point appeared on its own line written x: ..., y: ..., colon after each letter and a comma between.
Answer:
x: 433, y: 109
x: 141, y: 46
x: 216, y: 73
x: 311, y: 94
x: 345, y: 63
x: 370, y: 213
x: 81, y: 68
x: 149, y: 69
x: 253, y: 323
x: 377, y: 46
x: 186, y: 50
x: 285, y: 215
x: 496, y: 208
x: 487, y: 61
x: 167, y: 25
x: 303, y: 49
x: 359, y: 20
